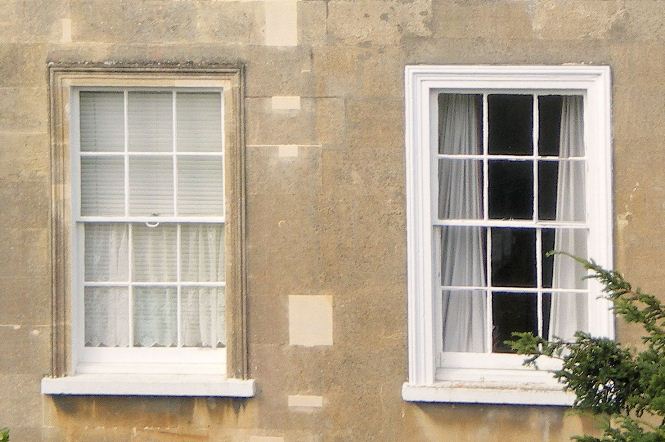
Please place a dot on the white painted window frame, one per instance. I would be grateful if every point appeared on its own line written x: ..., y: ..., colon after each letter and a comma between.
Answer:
x: 499, y: 378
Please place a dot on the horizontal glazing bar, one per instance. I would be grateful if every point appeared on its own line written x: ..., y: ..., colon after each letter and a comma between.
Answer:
x: 151, y: 219
x: 509, y: 223
x: 530, y: 290
x: 151, y: 154
x: 153, y: 284
x: 507, y: 157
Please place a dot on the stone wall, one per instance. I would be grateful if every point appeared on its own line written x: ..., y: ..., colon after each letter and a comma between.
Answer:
x: 326, y: 231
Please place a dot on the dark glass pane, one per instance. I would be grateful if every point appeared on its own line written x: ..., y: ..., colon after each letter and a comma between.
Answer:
x: 463, y: 261
x: 460, y: 189
x: 547, y: 308
x: 510, y: 124
x: 547, y: 241
x: 561, y: 271
x: 547, y: 189
x: 512, y: 312
x: 510, y: 190
x: 460, y: 124
x: 464, y: 320
x: 549, y: 124
x: 513, y: 257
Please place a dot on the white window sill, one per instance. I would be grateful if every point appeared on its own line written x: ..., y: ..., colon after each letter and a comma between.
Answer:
x: 148, y: 385
x: 487, y: 393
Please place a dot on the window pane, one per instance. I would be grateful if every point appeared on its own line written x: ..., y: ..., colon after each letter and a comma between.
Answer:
x: 102, y: 121
x: 155, y: 317
x: 106, y: 252
x: 549, y: 124
x: 202, y: 252
x: 151, y: 186
x: 102, y: 186
x: 199, y: 122
x: 464, y: 320
x: 460, y: 124
x: 106, y: 316
x: 513, y: 257
x: 463, y: 256
x: 547, y: 190
x: 200, y: 186
x: 150, y: 120
x: 569, y: 312
x: 510, y: 124
x: 512, y: 312
x: 203, y: 317
x: 460, y: 189
x: 154, y: 253
x: 510, y: 190
x: 559, y: 271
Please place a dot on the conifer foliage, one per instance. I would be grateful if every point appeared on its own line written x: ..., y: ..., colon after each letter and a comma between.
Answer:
x: 624, y: 386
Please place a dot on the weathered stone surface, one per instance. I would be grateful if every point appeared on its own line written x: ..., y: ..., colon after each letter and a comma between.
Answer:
x: 326, y: 214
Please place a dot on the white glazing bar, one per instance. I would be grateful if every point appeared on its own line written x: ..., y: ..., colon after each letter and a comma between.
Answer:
x: 527, y: 223
x: 509, y: 289
x: 153, y: 154
x: 485, y: 160
x: 130, y: 290
x: 539, y: 279
x: 488, y: 276
x: 534, y: 140
x: 175, y: 162
x: 126, y: 133
x: 149, y: 219
x: 536, y: 215
x: 504, y: 157
x: 488, y: 244
x: 179, y: 287
x: 213, y: 313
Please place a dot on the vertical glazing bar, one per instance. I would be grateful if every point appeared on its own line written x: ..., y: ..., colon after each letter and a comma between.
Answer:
x: 485, y: 159
x: 536, y: 214
x: 126, y: 155
x: 539, y: 278
x: 175, y: 157
x: 178, y: 287
x: 130, y: 290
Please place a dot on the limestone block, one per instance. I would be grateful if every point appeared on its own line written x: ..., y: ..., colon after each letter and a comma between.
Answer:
x: 131, y: 21
x: 574, y: 20
x: 270, y: 174
x: 26, y: 300
x: 643, y: 22
x: 312, y: 22
x: 310, y: 320
x: 25, y: 203
x: 500, y: 20
x: 305, y: 401
x: 26, y: 252
x: 21, y: 393
x: 317, y: 121
x: 22, y: 65
x: 23, y: 109
x: 32, y: 21
x: 24, y: 156
x: 26, y: 348
x: 375, y: 122
x: 378, y: 22
x: 230, y: 23
x: 278, y: 71
x: 336, y: 69
x: 281, y: 22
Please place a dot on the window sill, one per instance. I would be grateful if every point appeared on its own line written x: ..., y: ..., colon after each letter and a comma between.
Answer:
x: 488, y: 393
x: 148, y: 385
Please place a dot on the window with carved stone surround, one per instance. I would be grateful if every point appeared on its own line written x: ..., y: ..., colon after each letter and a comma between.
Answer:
x: 148, y: 231
x: 504, y: 163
